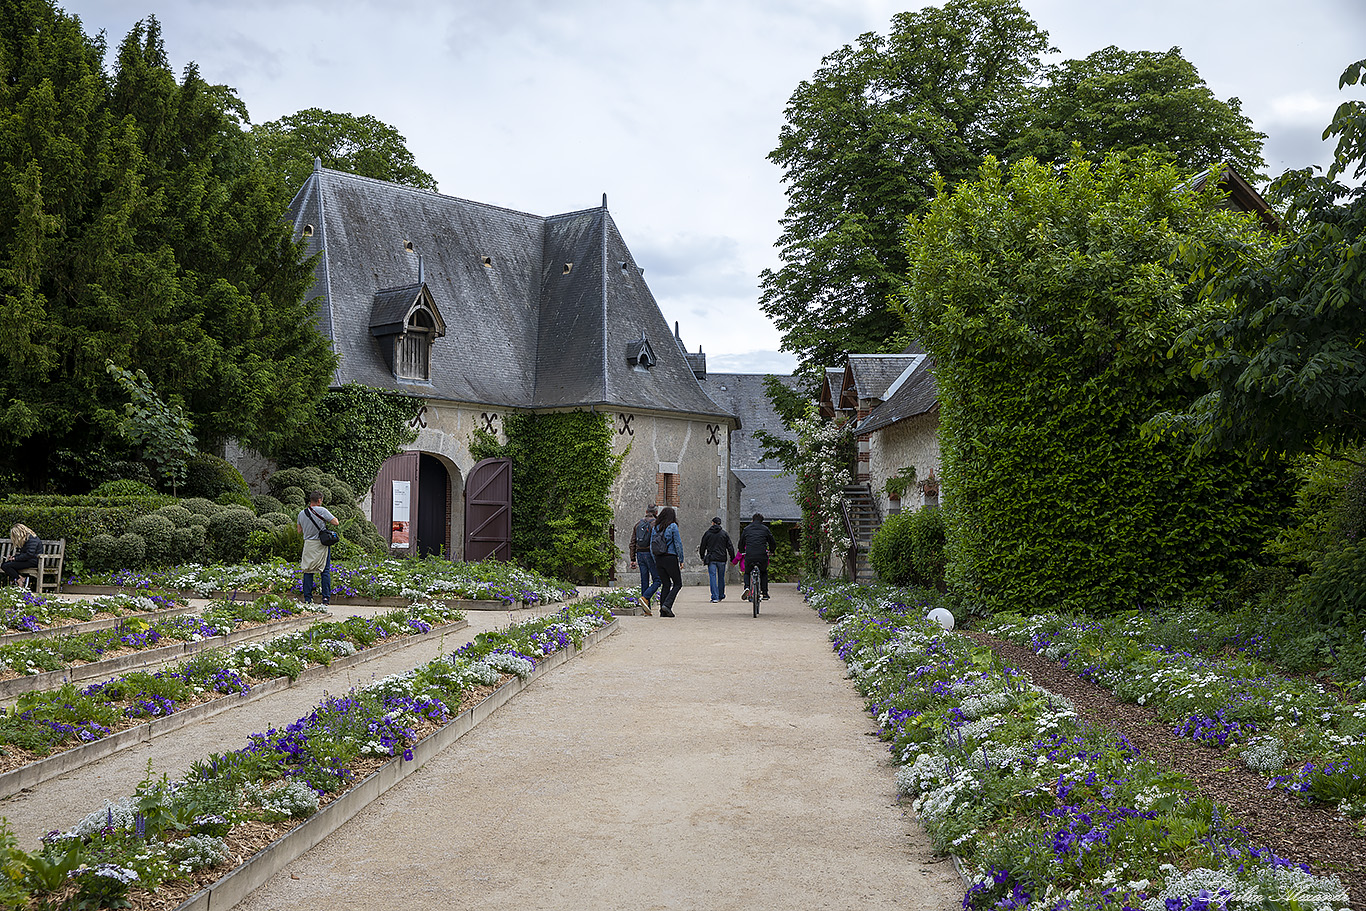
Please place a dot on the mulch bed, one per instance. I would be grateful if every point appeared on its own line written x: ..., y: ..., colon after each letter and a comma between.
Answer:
x: 1320, y: 837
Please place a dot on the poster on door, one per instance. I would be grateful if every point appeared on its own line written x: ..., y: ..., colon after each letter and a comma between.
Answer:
x: 399, y: 535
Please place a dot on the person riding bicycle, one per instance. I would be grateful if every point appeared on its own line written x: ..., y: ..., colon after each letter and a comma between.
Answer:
x: 757, y: 543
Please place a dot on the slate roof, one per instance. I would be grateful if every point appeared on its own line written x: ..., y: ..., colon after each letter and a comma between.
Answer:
x: 914, y: 393
x: 539, y: 311
x: 743, y: 395
x: 872, y: 374
x: 769, y: 492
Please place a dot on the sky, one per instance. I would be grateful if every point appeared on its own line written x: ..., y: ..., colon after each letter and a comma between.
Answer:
x: 671, y: 107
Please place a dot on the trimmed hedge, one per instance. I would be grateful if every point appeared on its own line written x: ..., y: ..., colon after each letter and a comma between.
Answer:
x: 909, y: 549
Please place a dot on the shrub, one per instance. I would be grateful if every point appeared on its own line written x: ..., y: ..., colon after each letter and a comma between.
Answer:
x: 178, y: 515
x: 264, y: 503
x: 189, y: 544
x: 210, y: 477
x: 157, y: 531
x: 277, y: 518
x: 299, y: 478
x: 123, y: 488
x: 1334, y: 593
x: 282, y: 542
x: 98, y: 553
x: 202, y: 506
x: 292, y: 499
x: 909, y: 548
x: 234, y: 498
x: 228, y: 531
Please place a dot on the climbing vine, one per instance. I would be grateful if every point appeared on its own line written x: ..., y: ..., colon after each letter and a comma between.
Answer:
x: 357, y: 428
x: 824, y: 454
x: 562, y: 474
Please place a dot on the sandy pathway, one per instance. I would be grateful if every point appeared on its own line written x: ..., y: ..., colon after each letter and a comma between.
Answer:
x: 714, y: 761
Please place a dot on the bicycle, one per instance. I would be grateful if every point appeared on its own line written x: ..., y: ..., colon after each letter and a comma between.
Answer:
x: 752, y: 587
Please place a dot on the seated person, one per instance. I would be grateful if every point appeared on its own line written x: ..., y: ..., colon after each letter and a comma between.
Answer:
x: 28, y: 550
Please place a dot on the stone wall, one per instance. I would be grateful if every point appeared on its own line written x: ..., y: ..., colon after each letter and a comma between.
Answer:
x: 914, y: 441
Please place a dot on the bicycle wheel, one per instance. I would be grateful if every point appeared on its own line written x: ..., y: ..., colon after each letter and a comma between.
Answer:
x: 754, y: 596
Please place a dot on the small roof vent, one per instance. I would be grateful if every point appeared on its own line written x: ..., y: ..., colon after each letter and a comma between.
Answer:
x: 308, y: 230
x: 487, y: 261
x: 568, y: 267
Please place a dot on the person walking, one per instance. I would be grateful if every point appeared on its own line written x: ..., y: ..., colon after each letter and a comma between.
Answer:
x: 640, y: 554
x: 667, y: 546
x: 317, y: 556
x: 716, y: 552
x: 756, y: 541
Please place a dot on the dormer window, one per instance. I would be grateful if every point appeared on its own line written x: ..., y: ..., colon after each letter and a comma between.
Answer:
x: 407, y: 323
x: 639, y: 354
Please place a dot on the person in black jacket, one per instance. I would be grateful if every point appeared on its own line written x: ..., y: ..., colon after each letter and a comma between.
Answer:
x: 716, y: 552
x: 757, y: 543
x: 27, y: 551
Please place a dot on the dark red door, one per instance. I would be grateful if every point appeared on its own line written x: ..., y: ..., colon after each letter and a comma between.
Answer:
x: 488, y: 511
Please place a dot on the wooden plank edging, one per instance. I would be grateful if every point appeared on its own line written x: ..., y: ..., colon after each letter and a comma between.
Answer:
x: 16, y: 780
x: 238, y: 883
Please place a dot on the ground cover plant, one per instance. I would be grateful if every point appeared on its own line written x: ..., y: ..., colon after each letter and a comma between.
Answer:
x: 430, y: 577
x: 1045, y: 811
x: 40, y: 723
x: 170, y: 838
x: 1209, y: 676
x: 26, y: 657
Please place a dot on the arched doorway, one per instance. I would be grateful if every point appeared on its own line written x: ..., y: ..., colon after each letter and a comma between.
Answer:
x: 410, y: 503
x: 433, y: 507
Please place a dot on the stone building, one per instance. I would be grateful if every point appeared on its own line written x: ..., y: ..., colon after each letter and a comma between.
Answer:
x: 483, y: 311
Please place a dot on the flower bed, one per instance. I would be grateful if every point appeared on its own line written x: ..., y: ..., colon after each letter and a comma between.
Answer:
x: 416, y: 580
x: 1215, y: 689
x: 33, y: 657
x: 43, y: 722
x: 173, y: 837
x: 25, y: 612
x: 1044, y: 810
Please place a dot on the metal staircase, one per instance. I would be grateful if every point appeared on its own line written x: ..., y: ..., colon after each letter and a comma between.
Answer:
x: 862, y: 518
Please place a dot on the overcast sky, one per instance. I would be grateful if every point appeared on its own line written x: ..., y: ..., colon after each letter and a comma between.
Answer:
x: 670, y: 107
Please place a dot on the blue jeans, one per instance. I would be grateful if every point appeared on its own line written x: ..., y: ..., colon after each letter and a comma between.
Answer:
x: 326, y: 591
x: 648, y: 570
x: 716, y: 572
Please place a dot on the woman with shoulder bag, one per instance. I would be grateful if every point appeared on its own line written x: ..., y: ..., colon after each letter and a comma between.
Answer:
x: 667, y: 546
x: 317, y: 556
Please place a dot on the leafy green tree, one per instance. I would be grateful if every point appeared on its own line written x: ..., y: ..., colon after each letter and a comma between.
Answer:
x: 886, y: 120
x: 1284, y: 350
x: 358, y: 427
x: 137, y: 226
x: 361, y: 145
x: 863, y: 141
x: 1048, y: 303
x: 160, y: 431
x: 1134, y: 101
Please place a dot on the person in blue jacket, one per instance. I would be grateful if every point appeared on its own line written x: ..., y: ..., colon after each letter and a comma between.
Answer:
x: 667, y: 546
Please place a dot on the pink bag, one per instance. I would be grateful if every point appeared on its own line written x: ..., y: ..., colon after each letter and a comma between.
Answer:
x: 740, y: 560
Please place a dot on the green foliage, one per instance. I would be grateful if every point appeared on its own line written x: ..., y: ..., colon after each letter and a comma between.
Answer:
x: 1049, y: 306
x: 1334, y: 593
x: 891, y: 121
x: 1283, y: 350
x: 138, y: 226
x: 562, y: 474
x: 124, y: 488
x: 1134, y: 101
x: 209, y: 476
x: 280, y: 542
x: 158, y: 535
x: 104, y: 552
x: 358, y: 427
x: 160, y: 431
x: 908, y: 549
x: 289, y: 485
x: 361, y: 145
x: 228, y: 531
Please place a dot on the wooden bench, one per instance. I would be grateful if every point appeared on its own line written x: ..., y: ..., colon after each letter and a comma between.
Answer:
x: 47, y: 575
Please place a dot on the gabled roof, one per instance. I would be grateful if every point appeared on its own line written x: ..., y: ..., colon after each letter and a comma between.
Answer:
x: 743, y: 395
x: 769, y: 492
x: 1241, y: 195
x: 868, y: 376
x: 828, y: 399
x: 539, y: 312
x: 914, y: 393
x: 393, y: 306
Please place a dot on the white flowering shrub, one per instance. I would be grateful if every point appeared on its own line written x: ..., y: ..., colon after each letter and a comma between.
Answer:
x: 509, y: 664
x: 116, y: 814
x: 930, y: 770
x: 287, y: 799
x: 196, y: 852
x: 975, y: 707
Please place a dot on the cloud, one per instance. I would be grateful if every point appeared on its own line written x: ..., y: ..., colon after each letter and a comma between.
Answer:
x: 778, y: 362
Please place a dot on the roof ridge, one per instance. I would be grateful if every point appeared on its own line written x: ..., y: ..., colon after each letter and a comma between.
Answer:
x: 419, y: 191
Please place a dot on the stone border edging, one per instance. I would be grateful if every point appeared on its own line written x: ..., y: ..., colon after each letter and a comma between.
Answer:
x: 238, y: 883
x: 336, y: 600
x: 34, y: 773
x: 46, y: 680
x: 91, y: 626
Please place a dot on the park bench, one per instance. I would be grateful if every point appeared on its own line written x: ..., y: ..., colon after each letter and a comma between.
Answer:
x: 47, y: 575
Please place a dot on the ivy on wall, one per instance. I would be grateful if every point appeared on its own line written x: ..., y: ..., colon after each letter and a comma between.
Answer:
x: 358, y: 427
x: 562, y: 474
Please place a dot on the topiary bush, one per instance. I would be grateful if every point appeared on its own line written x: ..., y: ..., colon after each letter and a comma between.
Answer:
x: 190, y: 544
x: 210, y: 477
x: 178, y: 515
x: 277, y: 518
x: 264, y: 503
x: 909, y: 549
x: 234, y: 498
x: 158, y: 534
x: 123, y: 488
x: 228, y: 531
x: 105, y: 552
x: 201, y: 506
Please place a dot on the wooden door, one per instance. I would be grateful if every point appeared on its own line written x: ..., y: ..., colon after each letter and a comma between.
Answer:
x: 488, y: 511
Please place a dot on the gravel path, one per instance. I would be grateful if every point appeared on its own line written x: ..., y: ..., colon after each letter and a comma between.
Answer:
x: 713, y: 761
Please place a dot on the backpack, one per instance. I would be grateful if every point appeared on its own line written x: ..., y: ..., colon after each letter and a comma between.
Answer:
x: 643, y: 533
x: 659, y: 543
